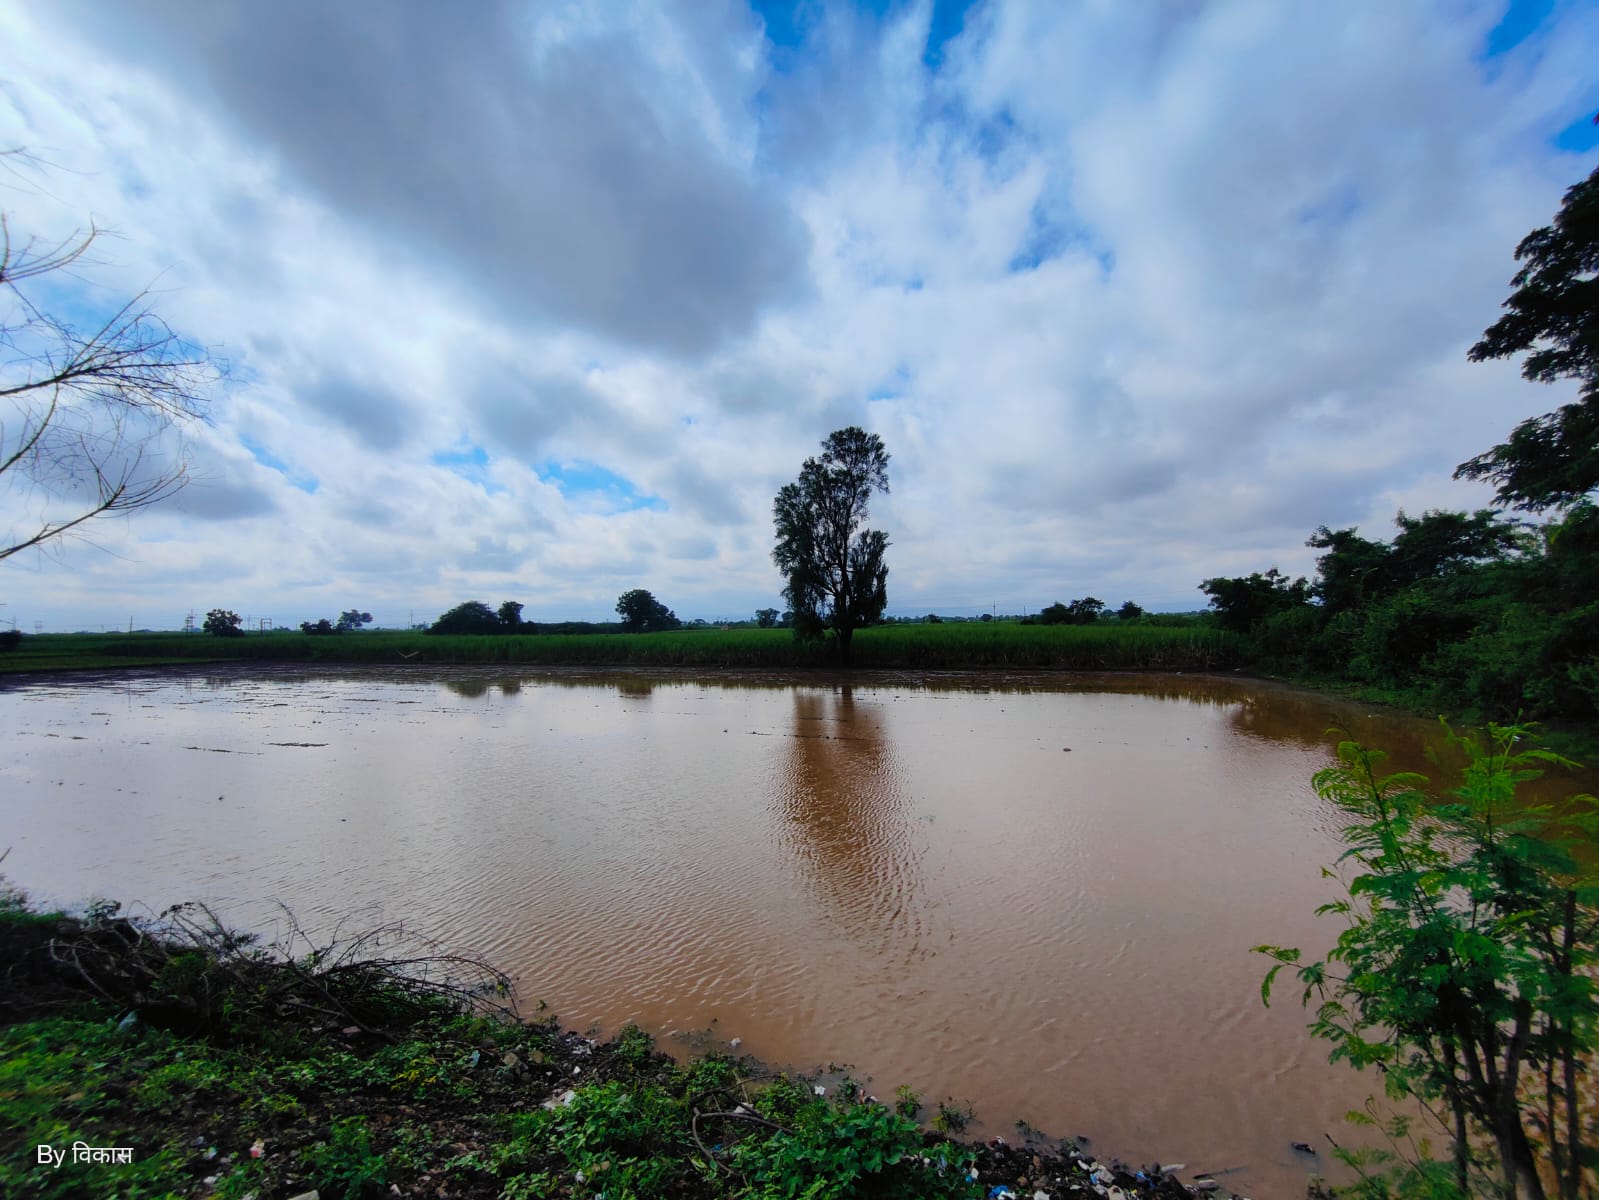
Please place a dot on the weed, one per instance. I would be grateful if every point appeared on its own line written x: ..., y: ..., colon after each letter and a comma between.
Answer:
x: 345, y: 1166
x: 951, y: 1117
x: 635, y: 1046
x: 906, y: 1102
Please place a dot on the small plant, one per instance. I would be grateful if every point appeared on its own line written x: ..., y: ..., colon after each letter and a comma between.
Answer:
x: 636, y: 1045
x: 951, y: 1117
x: 13, y: 900
x: 906, y: 1102
x: 346, y: 1167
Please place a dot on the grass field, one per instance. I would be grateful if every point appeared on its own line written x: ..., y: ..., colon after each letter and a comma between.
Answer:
x: 948, y: 646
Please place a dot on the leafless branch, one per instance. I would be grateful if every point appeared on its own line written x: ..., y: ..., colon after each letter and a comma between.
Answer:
x: 82, y: 414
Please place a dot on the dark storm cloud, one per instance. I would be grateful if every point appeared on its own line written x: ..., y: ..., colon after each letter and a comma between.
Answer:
x: 570, y: 184
x: 224, y: 500
x: 376, y: 417
x: 519, y: 413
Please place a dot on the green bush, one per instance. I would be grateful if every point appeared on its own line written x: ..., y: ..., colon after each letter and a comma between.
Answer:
x: 1466, y: 969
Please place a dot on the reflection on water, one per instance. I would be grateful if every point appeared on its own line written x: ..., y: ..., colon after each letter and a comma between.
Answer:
x: 1035, y: 893
x: 845, y: 819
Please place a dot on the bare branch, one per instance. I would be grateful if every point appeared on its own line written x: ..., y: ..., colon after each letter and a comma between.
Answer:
x: 82, y: 414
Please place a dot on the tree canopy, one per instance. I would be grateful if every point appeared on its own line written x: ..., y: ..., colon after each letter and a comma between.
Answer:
x: 472, y: 617
x: 643, y: 613
x: 836, y: 577
x: 1079, y: 612
x: 1241, y: 602
x: 1553, y: 317
x: 220, y: 622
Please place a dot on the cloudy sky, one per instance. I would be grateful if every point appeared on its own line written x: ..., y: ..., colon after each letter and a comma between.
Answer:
x: 544, y: 301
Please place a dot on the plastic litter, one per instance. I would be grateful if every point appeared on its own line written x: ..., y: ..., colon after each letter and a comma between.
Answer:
x: 564, y: 1098
x: 1000, y: 1192
x: 819, y: 1090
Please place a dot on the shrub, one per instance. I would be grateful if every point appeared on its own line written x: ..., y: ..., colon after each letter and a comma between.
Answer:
x: 1466, y: 971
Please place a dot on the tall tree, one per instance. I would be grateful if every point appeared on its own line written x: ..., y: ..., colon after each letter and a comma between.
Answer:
x: 1553, y: 460
x: 836, y: 577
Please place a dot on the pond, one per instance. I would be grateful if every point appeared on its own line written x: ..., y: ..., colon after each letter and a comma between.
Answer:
x: 1034, y: 894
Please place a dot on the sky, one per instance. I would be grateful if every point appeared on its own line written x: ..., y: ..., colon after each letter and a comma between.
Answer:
x: 545, y: 301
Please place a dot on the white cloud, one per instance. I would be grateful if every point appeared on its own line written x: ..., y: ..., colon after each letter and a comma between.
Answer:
x: 1135, y: 294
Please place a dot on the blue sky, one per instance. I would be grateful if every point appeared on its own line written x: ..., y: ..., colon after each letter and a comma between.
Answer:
x: 544, y: 302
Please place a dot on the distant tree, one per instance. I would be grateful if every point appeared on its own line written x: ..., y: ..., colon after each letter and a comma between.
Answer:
x: 1087, y: 610
x: 1079, y: 612
x: 322, y: 628
x: 986, y: 617
x: 933, y: 619
x: 1242, y: 601
x: 222, y: 623
x: 472, y: 617
x: 352, y: 619
x: 766, y: 618
x: 1129, y: 612
x: 643, y: 613
x: 836, y: 577
x: 1553, y: 460
x: 10, y: 639
x: 510, y: 616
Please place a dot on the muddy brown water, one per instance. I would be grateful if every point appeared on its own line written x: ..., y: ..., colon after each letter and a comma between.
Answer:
x: 1033, y: 894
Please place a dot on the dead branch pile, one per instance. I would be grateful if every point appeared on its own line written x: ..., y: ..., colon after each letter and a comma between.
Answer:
x: 184, y: 969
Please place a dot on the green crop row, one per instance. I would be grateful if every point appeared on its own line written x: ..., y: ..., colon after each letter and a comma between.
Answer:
x: 948, y: 646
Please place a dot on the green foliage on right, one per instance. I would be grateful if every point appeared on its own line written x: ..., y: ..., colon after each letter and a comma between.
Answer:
x: 1466, y: 970
x: 1553, y: 317
x: 1477, y: 614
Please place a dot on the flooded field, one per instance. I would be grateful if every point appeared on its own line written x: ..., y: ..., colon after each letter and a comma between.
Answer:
x: 1036, y: 894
